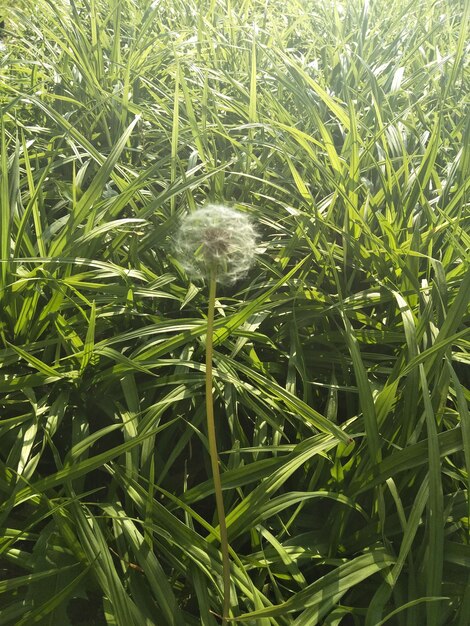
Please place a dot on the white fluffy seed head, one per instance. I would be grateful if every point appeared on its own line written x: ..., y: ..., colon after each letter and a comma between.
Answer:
x: 216, y: 240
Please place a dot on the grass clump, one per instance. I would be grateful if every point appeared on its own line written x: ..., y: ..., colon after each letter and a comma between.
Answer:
x: 339, y: 362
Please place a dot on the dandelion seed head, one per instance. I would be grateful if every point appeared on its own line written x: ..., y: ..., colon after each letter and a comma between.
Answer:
x: 216, y: 239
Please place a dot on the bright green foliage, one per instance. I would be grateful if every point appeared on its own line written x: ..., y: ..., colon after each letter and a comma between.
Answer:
x: 341, y: 392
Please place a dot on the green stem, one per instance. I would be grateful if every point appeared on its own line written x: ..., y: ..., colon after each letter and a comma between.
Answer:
x: 213, y: 452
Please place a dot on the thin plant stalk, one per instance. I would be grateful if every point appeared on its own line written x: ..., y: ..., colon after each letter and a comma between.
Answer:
x: 213, y: 452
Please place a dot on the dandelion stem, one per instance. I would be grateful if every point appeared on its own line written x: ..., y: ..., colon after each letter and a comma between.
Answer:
x: 213, y: 451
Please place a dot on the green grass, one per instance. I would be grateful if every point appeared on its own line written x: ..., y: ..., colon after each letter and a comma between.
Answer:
x: 340, y: 363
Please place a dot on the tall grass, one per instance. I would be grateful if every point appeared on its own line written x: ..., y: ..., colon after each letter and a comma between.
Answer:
x: 339, y: 364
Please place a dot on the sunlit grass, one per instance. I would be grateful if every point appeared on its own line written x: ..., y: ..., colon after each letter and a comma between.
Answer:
x: 340, y: 362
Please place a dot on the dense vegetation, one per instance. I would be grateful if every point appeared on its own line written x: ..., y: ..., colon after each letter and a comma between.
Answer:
x: 340, y: 361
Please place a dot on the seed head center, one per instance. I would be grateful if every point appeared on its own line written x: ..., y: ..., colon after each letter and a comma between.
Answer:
x: 215, y: 244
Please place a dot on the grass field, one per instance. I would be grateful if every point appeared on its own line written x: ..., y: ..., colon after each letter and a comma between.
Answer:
x: 340, y: 373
